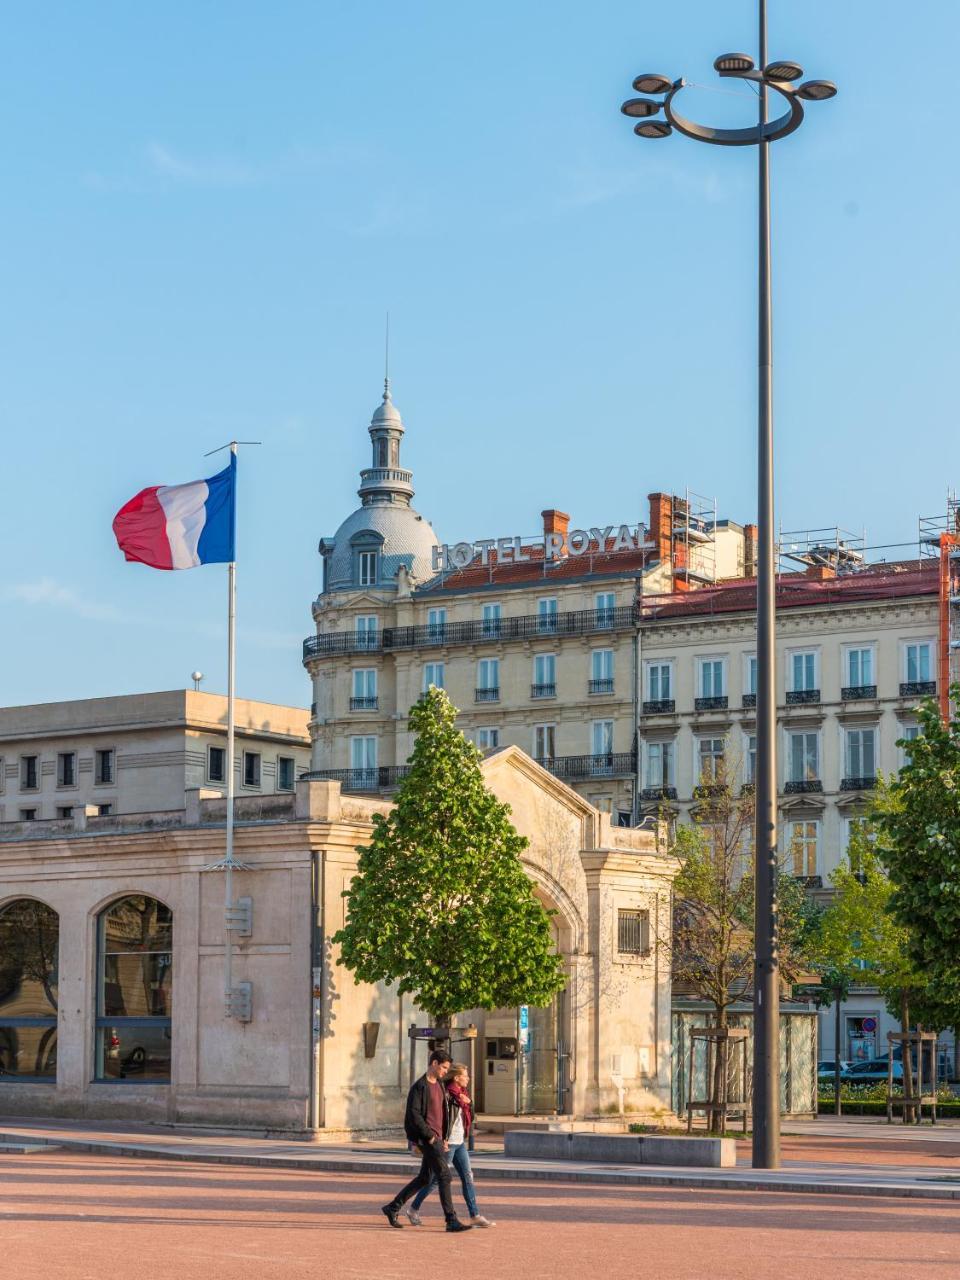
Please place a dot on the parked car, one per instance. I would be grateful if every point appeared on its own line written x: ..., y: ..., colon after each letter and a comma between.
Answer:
x: 871, y: 1070
x: 826, y: 1068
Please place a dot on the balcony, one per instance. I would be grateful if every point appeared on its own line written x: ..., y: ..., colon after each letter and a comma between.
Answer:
x: 364, y: 704
x: 658, y: 793
x: 361, y: 779
x: 748, y: 701
x: 659, y: 707
x: 708, y: 790
x: 600, y: 686
x: 803, y: 787
x: 802, y: 697
x: 579, y: 622
x: 810, y: 882
x: 857, y: 692
x: 616, y: 764
x: 718, y: 703
x: 858, y: 784
x: 543, y: 691
x: 487, y: 695
x: 918, y: 688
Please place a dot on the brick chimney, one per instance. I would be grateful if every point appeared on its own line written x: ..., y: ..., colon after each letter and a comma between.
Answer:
x: 661, y: 524
x: 820, y: 572
x: 751, y: 535
x: 555, y: 523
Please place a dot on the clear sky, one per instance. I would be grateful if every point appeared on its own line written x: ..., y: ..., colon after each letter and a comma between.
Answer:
x: 208, y: 208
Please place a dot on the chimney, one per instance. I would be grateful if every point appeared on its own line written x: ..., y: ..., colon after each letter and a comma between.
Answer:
x: 661, y: 524
x: 751, y: 535
x: 555, y: 526
x: 820, y: 572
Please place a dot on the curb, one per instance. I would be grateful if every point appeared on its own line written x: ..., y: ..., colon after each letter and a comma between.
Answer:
x: 481, y: 1171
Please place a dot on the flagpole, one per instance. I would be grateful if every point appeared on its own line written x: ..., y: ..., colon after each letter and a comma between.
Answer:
x: 231, y: 782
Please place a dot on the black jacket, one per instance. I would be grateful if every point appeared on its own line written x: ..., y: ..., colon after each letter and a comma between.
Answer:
x: 415, y: 1124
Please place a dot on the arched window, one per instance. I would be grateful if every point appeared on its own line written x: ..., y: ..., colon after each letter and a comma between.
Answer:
x: 134, y: 971
x: 29, y: 943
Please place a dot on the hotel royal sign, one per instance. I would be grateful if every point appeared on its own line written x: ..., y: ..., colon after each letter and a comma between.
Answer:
x: 613, y: 540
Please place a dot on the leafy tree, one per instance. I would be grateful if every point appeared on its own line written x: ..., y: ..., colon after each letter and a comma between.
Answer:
x: 441, y: 904
x: 918, y: 841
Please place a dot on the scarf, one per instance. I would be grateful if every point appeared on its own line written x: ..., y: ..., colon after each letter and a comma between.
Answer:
x: 462, y: 1099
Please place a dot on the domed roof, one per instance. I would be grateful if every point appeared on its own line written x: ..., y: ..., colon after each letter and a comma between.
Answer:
x: 399, y: 534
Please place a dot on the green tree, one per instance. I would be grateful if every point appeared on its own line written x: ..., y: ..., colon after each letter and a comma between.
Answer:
x: 441, y: 904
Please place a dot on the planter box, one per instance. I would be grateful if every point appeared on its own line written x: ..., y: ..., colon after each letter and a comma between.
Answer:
x: 622, y: 1148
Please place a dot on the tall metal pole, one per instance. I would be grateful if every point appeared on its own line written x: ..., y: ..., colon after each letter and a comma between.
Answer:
x: 766, y: 997
x: 231, y: 726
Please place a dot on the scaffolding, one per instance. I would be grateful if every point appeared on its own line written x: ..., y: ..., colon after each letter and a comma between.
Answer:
x: 695, y: 538
x: 940, y: 536
x: 831, y: 548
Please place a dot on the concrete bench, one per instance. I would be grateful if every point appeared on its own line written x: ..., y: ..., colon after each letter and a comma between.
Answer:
x: 622, y: 1148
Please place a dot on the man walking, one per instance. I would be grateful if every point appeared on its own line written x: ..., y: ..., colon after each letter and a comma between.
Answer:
x: 427, y: 1125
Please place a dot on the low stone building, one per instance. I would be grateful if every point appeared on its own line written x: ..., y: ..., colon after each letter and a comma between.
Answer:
x: 112, y: 966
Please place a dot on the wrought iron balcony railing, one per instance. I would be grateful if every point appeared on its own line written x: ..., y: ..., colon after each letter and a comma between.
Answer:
x: 543, y: 691
x: 486, y: 695
x: 856, y: 692
x: 810, y: 882
x: 802, y: 697
x: 659, y: 707
x: 803, y: 786
x: 866, y: 783
x: 918, y: 688
x: 364, y: 704
x: 708, y: 790
x: 658, y: 793
x: 600, y: 686
x: 577, y: 622
x: 361, y: 779
x: 615, y: 764
x: 717, y: 703
x: 749, y: 700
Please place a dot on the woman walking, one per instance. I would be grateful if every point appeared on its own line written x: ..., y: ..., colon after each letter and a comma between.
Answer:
x: 457, y: 1155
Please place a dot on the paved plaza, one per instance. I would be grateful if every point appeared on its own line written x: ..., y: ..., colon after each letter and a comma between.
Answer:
x: 72, y: 1216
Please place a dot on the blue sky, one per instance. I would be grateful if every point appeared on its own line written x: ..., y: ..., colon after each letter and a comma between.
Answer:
x: 209, y: 208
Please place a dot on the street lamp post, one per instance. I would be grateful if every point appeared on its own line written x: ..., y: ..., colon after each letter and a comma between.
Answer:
x: 781, y: 77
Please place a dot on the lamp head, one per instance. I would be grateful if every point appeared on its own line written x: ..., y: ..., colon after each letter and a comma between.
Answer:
x: 651, y: 82
x: 733, y: 64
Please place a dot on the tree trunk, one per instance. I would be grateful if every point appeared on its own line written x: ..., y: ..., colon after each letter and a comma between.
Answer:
x: 837, y: 1106
x: 441, y: 1024
x: 718, y: 1090
x: 906, y: 1059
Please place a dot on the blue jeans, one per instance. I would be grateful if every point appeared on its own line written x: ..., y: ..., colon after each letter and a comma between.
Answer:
x: 458, y: 1157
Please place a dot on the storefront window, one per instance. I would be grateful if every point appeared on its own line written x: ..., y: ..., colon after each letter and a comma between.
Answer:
x: 135, y: 955
x: 29, y: 944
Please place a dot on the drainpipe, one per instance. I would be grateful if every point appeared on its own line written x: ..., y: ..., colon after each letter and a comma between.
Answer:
x: 637, y: 694
x: 317, y: 991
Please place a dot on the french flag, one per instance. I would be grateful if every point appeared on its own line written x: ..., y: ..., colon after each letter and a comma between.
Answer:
x: 178, y: 526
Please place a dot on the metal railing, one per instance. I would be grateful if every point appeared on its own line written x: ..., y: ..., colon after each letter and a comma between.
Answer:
x: 866, y: 783
x: 486, y: 695
x: 364, y: 704
x: 361, y: 779
x: 803, y: 786
x: 543, y: 691
x: 717, y: 703
x: 855, y: 692
x: 658, y: 793
x: 659, y: 707
x: 577, y: 622
x: 918, y: 688
x: 801, y: 697
x: 600, y: 686
x: 615, y: 764
x: 748, y: 701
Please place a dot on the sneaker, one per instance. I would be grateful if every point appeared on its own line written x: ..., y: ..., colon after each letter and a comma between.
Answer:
x: 456, y: 1225
x: 391, y: 1213
x: 478, y: 1220
x: 415, y: 1219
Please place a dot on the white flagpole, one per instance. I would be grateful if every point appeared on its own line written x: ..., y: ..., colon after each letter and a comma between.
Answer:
x: 231, y: 784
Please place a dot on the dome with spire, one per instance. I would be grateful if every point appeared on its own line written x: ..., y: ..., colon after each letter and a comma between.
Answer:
x: 384, y: 533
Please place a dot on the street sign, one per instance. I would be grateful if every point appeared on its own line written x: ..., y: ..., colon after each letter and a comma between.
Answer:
x: 869, y: 1024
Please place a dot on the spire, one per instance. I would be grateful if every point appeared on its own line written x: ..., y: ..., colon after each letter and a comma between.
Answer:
x: 385, y: 481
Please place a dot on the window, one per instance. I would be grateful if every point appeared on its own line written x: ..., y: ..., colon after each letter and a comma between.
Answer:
x: 860, y: 754
x: 103, y: 767
x: 859, y: 668
x: 367, y: 631
x: 544, y: 741
x: 104, y: 810
x: 804, y: 838
x: 601, y: 671
x: 286, y: 773
x: 216, y: 764
x: 432, y: 675
x: 251, y: 768
x: 64, y: 810
x: 751, y: 757
x: 605, y: 603
x: 67, y: 769
x: 803, y: 672
x: 436, y: 625
x: 711, y: 678
x: 363, y: 761
x: 488, y: 680
x: 659, y: 681
x: 3, y: 772
x: 710, y: 757
x: 601, y: 738
x: 633, y: 933
x: 29, y: 945
x: 547, y: 614
x: 544, y: 676
x: 28, y: 815
x: 803, y: 757
x: 750, y: 675
x: 488, y: 738
x: 917, y: 662
x: 364, y: 686
x: 660, y: 769
x: 491, y: 619
x: 135, y: 972
x: 367, y: 566
x: 29, y: 773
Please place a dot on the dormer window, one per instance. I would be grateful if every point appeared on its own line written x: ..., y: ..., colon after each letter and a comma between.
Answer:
x: 367, y: 568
